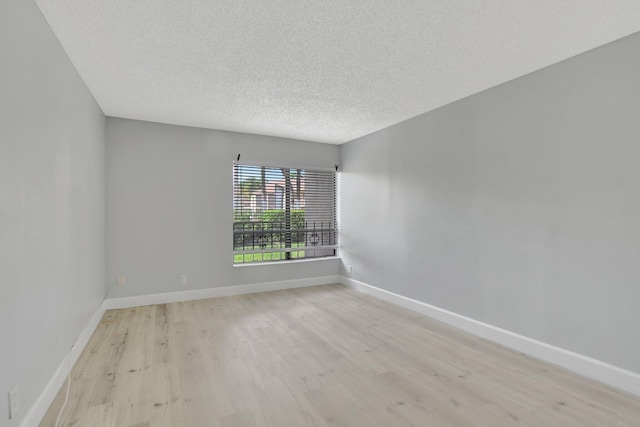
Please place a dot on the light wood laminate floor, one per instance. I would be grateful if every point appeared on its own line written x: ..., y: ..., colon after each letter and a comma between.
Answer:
x: 319, y: 356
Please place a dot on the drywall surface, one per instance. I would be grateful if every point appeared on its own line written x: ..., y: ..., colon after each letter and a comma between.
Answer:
x: 51, y: 205
x: 518, y: 206
x: 169, y: 206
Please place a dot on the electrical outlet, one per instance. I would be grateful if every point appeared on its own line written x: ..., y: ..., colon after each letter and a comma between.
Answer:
x: 14, y: 402
x: 121, y: 280
x: 349, y: 269
x: 183, y: 279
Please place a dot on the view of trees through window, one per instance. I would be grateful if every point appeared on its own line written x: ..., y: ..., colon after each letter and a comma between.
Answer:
x: 283, y: 214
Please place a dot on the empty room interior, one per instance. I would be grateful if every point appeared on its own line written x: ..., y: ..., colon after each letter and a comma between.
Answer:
x: 319, y: 213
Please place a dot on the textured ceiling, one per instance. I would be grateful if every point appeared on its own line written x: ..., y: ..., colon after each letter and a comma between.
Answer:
x: 320, y: 70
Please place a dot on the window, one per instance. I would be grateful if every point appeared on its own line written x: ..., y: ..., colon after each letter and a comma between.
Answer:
x: 283, y: 214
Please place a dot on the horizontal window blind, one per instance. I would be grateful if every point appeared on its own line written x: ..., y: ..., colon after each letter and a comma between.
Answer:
x: 283, y: 213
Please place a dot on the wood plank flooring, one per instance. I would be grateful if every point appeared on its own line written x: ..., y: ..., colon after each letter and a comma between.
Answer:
x: 319, y: 356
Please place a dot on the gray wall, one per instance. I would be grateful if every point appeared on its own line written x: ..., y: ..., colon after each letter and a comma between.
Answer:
x: 51, y: 204
x: 518, y: 206
x: 169, y: 206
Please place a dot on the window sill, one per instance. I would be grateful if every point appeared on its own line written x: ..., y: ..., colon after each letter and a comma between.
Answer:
x: 293, y: 261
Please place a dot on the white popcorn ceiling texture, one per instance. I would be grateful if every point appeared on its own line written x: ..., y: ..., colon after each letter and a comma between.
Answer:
x: 321, y: 70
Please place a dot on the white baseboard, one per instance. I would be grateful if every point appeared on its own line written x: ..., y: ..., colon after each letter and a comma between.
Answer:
x: 42, y: 403
x: 578, y: 363
x: 196, y: 294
